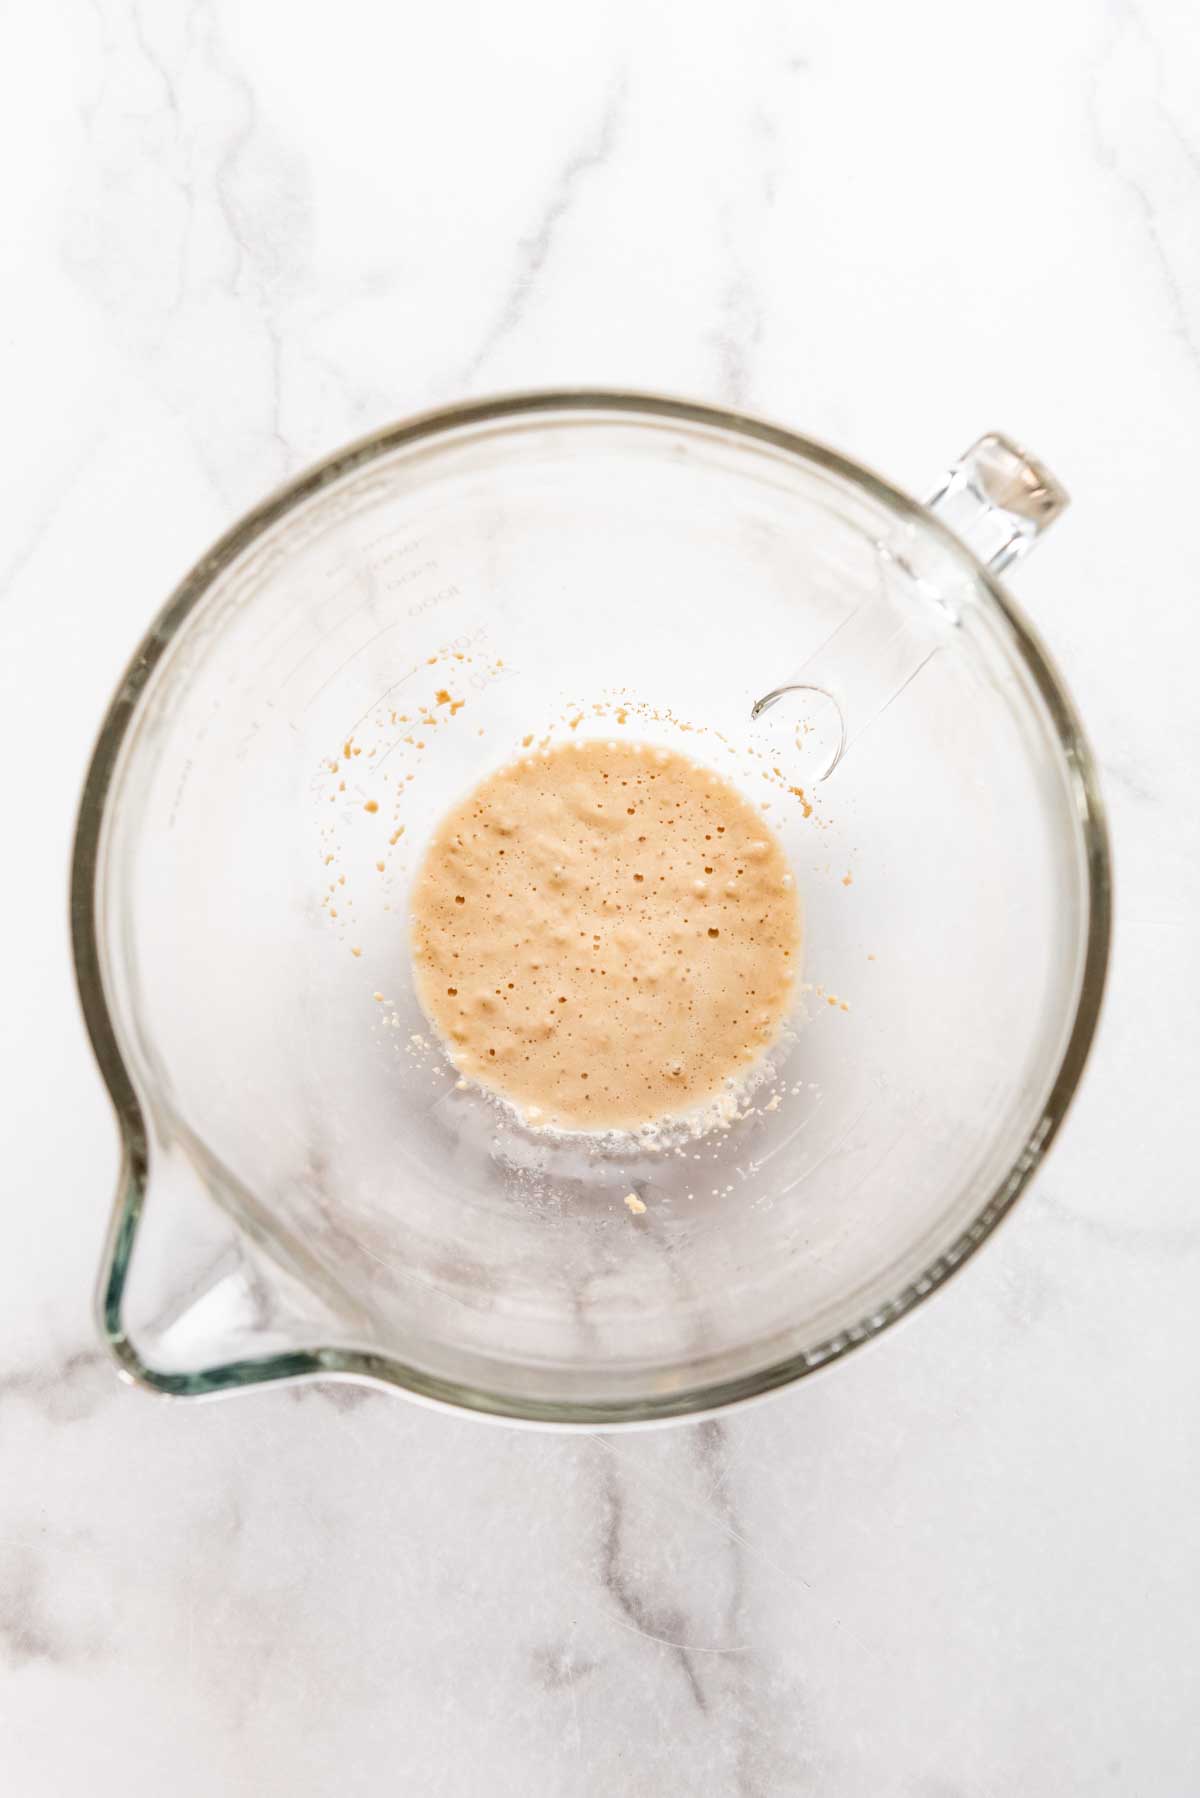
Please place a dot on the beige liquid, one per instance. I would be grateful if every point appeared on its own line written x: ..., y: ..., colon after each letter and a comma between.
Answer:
x: 605, y: 934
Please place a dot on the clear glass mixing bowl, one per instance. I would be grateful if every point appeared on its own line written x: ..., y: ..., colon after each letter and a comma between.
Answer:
x: 307, y: 1189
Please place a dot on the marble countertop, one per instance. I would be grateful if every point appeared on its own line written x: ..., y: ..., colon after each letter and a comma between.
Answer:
x: 967, y: 1561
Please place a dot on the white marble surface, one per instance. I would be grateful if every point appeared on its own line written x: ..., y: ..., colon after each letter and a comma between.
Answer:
x: 967, y: 1561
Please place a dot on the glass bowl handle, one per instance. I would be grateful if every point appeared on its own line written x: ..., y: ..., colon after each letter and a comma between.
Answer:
x: 998, y: 500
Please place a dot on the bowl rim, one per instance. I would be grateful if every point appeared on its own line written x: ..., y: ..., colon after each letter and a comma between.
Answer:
x: 330, y: 1361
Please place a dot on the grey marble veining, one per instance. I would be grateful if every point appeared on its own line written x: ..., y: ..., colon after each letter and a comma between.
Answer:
x: 963, y: 1565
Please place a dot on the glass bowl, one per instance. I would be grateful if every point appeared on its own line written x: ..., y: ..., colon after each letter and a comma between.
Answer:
x: 308, y: 1189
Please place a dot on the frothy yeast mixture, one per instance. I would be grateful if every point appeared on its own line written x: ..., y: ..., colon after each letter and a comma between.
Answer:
x: 604, y: 934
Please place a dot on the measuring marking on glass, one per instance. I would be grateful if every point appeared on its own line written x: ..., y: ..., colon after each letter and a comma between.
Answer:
x: 300, y: 625
x: 370, y: 600
x: 388, y: 751
x: 789, y: 1141
x: 833, y: 1149
x: 353, y: 569
x: 343, y: 665
x: 387, y: 691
